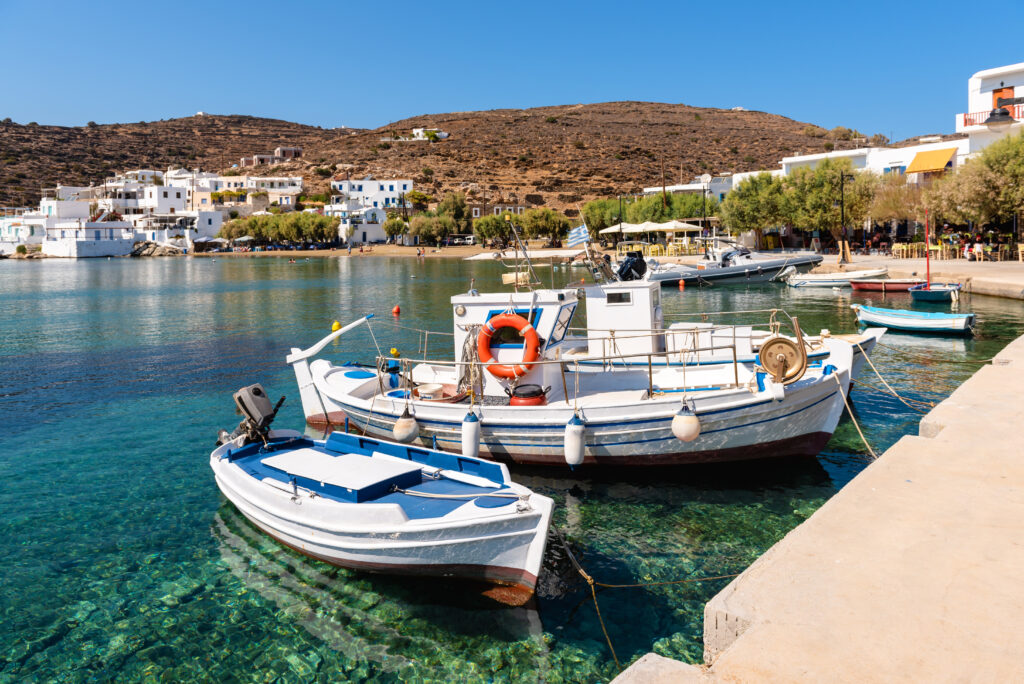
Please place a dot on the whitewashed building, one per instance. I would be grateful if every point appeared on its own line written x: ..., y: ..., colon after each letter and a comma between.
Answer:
x: 359, y: 224
x: 375, y: 194
x: 82, y: 238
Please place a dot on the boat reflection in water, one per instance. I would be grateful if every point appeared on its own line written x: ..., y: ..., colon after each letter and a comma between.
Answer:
x: 362, y: 615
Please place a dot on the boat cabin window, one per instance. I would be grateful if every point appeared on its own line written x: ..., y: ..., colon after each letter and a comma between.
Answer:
x: 562, y: 324
x: 620, y: 297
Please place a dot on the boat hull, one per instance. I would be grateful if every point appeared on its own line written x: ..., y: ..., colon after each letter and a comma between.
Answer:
x: 734, y: 426
x: 884, y: 285
x: 911, y: 321
x: 936, y: 293
x: 838, y: 279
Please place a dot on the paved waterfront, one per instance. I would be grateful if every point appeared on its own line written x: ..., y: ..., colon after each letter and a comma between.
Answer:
x: 910, y: 573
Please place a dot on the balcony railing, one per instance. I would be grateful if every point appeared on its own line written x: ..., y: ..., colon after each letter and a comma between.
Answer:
x: 978, y: 118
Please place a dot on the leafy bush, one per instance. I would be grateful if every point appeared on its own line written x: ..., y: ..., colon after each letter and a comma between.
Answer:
x: 432, y: 136
x: 579, y: 145
x: 292, y: 226
x: 323, y: 172
x: 551, y: 119
x: 427, y: 172
x: 21, y: 249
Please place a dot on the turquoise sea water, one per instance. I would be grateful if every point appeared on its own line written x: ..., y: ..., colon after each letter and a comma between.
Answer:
x: 122, y: 561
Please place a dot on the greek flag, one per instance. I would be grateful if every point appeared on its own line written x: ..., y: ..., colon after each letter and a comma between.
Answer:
x: 579, y: 235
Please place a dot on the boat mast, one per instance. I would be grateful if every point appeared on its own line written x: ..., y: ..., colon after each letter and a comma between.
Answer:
x: 927, y: 255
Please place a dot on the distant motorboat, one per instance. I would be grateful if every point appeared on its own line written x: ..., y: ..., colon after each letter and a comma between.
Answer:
x: 730, y: 262
x: 885, y: 284
x: 837, y: 279
x: 935, y: 292
x: 915, y: 321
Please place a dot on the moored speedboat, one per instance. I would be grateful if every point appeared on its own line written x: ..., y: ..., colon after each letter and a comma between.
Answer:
x: 732, y: 263
x: 382, y: 506
x: 915, y: 321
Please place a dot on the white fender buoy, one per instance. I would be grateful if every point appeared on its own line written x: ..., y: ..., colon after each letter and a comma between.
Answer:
x: 406, y: 428
x: 470, y: 435
x: 575, y: 430
x: 685, y: 424
x: 776, y: 389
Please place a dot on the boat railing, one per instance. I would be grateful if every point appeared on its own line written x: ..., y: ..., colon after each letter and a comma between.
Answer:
x: 406, y: 364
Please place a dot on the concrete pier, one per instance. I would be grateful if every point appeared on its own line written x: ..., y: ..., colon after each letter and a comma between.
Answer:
x: 912, y: 572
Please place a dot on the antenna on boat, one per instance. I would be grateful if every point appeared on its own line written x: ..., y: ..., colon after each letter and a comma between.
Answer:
x: 533, y: 280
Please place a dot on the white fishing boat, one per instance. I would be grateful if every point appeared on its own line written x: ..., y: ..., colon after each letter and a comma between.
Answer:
x: 915, y: 321
x: 510, y: 394
x: 381, y: 506
x: 836, y: 279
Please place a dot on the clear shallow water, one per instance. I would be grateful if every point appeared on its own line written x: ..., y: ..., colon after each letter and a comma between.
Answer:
x: 121, y: 559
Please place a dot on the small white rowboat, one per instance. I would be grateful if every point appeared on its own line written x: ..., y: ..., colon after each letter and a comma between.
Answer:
x: 915, y: 321
x: 380, y: 506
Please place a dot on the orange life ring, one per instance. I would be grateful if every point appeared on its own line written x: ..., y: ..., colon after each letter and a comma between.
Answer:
x: 530, y: 353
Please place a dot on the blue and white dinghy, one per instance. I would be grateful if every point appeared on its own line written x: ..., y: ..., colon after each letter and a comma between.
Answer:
x: 915, y: 321
x: 380, y: 506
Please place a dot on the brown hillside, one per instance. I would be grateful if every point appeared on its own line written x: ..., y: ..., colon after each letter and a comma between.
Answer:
x: 557, y: 156
x: 35, y: 157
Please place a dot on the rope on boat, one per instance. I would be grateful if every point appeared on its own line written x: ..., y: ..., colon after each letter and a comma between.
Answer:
x: 429, y: 495
x: 593, y: 584
x: 849, y: 410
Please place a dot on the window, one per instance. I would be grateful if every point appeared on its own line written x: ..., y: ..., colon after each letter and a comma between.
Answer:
x: 620, y: 297
x: 404, y: 186
x: 203, y: 201
x: 520, y: 210
x: 476, y: 212
x: 177, y: 195
x: 209, y: 221
x: 497, y: 210
x: 165, y: 194
x: 391, y: 188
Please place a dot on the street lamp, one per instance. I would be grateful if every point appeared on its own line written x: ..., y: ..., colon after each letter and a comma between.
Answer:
x: 998, y: 120
x: 705, y: 185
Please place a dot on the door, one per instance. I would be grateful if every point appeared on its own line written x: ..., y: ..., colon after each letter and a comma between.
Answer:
x: 1002, y: 94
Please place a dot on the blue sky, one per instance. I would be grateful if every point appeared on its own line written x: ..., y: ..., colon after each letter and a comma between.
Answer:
x: 881, y: 67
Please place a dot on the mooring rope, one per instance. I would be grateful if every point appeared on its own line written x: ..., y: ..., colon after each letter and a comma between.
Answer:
x: 853, y: 418
x: 593, y: 584
x: 887, y: 385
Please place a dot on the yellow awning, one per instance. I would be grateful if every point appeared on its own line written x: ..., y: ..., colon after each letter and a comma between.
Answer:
x: 932, y: 160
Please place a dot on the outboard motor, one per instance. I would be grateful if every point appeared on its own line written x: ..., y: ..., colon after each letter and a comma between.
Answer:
x: 257, y: 413
x: 632, y: 267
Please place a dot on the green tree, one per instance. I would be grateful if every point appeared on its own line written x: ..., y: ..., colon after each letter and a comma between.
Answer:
x: 419, y: 200
x: 454, y: 207
x: 813, y: 196
x: 393, y: 227
x: 757, y: 203
x: 896, y: 199
x: 491, y: 227
x: 544, y: 222
x: 601, y: 213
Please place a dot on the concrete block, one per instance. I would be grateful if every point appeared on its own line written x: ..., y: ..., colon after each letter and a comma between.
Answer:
x: 655, y: 669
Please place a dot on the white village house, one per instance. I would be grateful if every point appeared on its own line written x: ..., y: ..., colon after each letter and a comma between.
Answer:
x: 362, y: 206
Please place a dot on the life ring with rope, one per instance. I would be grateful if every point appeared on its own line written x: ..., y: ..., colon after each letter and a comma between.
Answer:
x: 531, y: 352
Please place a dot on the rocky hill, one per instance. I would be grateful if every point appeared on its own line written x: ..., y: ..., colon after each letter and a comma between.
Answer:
x: 556, y: 156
